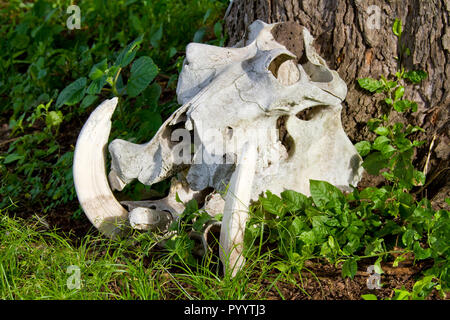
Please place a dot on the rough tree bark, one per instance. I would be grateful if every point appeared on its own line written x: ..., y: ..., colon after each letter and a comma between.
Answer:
x: 350, y: 40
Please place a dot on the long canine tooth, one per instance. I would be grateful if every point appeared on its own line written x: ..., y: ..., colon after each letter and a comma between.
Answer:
x: 89, y: 172
x: 235, y: 212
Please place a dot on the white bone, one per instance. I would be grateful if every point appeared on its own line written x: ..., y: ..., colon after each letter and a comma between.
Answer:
x: 245, y: 93
x: 89, y: 173
x: 214, y: 204
x: 148, y: 219
x: 235, y: 212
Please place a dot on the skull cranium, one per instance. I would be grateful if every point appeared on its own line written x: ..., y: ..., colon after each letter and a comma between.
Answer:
x: 282, y: 108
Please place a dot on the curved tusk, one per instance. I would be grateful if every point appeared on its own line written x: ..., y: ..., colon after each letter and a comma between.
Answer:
x: 89, y: 172
x: 235, y: 213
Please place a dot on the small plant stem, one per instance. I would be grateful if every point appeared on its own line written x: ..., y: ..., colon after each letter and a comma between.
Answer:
x: 114, y: 88
x: 116, y: 93
x: 425, y: 169
x: 381, y: 254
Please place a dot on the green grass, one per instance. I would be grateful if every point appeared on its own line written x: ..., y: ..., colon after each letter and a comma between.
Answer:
x: 34, y: 264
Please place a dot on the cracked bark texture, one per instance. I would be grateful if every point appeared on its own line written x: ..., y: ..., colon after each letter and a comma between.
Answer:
x: 345, y: 39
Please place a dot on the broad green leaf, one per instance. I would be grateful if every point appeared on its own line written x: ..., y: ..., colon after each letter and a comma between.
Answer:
x: 415, y: 76
x: 156, y: 37
x: 369, y: 296
x: 420, y: 253
x: 191, y: 207
x: 397, y: 27
x: 399, y: 92
x: 320, y: 227
x: 401, y: 294
x: 374, y: 247
x: 363, y: 148
x: 352, y: 244
x: 13, y: 157
x: 323, y: 192
x: 387, y: 150
x: 88, y: 101
x: 172, y: 51
x: 404, y: 105
x: 411, y: 129
x: 273, y: 204
x: 295, y: 200
x: 152, y: 123
x: 390, y: 228
x: 98, y: 70
x: 143, y: 71
x: 20, y: 41
x: 382, y: 131
x: 149, y: 97
x: 127, y: 55
x: 377, y: 266
x: 370, y: 84
x: 200, y: 221
x: 281, y: 266
x: 97, y: 85
x: 402, y: 144
x: 423, y: 287
x: 73, y: 93
x: 380, y: 142
x: 403, y: 168
x: 218, y: 29
x: 409, y: 236
x: 391, y: 84
x: 372, y: 124
x: 349, y: 268
x: 374, y: 163
x: 298, y: 225
x: 308, y: 237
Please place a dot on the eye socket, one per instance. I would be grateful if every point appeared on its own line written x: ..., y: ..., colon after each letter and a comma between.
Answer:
x: 275, y: 64
x: 284, y: 68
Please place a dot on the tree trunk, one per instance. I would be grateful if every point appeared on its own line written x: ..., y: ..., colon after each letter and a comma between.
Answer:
x: 356, y: 44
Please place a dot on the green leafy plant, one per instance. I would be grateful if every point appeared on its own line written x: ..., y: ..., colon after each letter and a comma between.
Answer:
x: 374, y: 223
x: 392, y: 149
x: 52, y: 77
